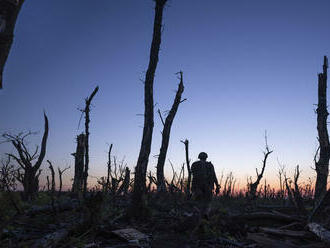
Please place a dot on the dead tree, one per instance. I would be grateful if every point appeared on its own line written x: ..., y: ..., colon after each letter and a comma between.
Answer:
x: 322, y: 165
x: 9, y: 10
x: 48, y: 183
x: 109, y: 168
x: 79, y: 164
x: 52, y: 191
x: 161, y: 187
x: 53, y: 185
x: 137, y: 205
x: 253, y: 186
x: 8, y: 181
x: 125, y: 185
x: 296, y: 193
x: 186, y: 146
x: 288, y: 189
x: 7, y: 175
x: 30, y: 177
x: 280, y: 177
x: 60, y: 173
x: 87, y: 120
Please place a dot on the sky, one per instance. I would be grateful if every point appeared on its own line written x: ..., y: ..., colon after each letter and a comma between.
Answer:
x: 249, y: 66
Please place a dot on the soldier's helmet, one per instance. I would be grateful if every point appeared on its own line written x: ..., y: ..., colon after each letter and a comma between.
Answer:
x: 202, y: 156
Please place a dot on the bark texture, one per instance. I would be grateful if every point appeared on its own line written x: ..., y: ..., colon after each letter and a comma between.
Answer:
x: 87, y: 121
x: 142, y: 163
x: 161, y: 187
x: 9, y: 10
x: 322, y: 165
x: 79, y: 164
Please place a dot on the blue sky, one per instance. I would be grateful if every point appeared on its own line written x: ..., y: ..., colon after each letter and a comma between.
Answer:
x: 249, y: 66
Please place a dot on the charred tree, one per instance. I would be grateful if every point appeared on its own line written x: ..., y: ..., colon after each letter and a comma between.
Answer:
x: 9, y: 10
x: 53, y: 177
x: 253, y: 186
x: 87, y: 120
x: 60, y: 173
x: 186, y: 146
x: 30, y: 177
x: 79, y: 164
x: 296, y: 193
x: 161, y: 187
x: 288, y: 189
x: 137, y: 204
x: 109, y: 168
x: 52, y: 191
x: 48, y: 183
x: 322, y: 165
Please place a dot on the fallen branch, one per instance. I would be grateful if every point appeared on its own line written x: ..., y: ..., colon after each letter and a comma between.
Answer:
x: 294, y: 225
x: 319, y: 231
x: 288, y: 233
x: 266, y: 215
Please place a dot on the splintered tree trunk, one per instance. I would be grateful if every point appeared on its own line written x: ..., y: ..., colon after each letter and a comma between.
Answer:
x: 186, y: 146
x: 48, y: 183
x: 79, y: 164
x: 296, y: 193
x: 142, y: 163
x: 60, y: 173
x: 166, y: 137
x: 52, y: 194
x: 30, y: 184
x: 322, y: 165
x: 9, y: 10
x: 87, y: 120
x: 109, y: 168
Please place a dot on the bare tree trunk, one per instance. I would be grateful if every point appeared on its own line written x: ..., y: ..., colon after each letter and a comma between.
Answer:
x: 53, y: 184
x: 186, y: 145
x: 288, y: 189
x: 322, y: 165
x: 87, y: 120
x: 296, y: 193
x: 60, y: 173
x: 48, y: 188
x: 109, y: 168
x: 79, y: 164
x: 253, y: 186
x: 137, y: 206
x: 9, y: 10
x: 161, y: 187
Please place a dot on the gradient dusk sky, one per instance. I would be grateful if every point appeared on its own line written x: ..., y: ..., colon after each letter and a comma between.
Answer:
x: 249, y: 66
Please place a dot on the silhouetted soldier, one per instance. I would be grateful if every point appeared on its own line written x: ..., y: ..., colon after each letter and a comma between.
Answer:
x: 203, y: 182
